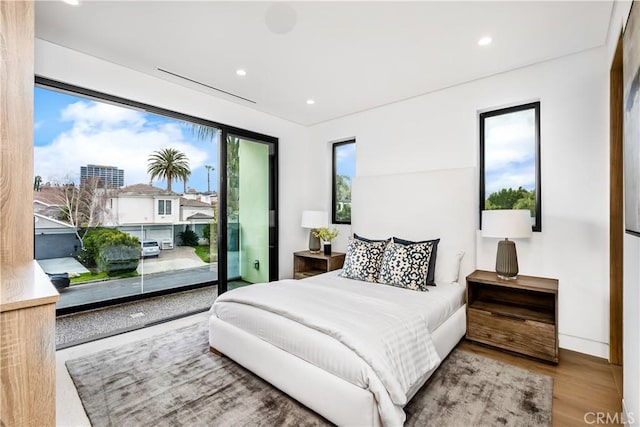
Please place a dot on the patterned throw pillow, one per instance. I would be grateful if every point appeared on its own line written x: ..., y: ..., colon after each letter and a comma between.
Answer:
x: 432, y: 261
x: 363, y: 260
x: 406, y: 266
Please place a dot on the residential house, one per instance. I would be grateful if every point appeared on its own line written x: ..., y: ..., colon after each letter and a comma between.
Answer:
x: 196, y: 214
x: 145, y: 212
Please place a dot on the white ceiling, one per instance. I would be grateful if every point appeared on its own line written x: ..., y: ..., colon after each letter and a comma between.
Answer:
x: 347, y: 56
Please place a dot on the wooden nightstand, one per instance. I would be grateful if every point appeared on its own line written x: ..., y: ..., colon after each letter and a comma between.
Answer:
x: 517, y: 315
x: 306, y: 264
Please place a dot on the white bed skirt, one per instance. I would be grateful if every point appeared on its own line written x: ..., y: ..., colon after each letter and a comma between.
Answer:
x: 337, y: 400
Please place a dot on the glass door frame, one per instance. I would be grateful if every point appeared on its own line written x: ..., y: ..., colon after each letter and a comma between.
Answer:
x: 223, y: 241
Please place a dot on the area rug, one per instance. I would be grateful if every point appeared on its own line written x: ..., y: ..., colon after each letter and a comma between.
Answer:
x: 173, y: 380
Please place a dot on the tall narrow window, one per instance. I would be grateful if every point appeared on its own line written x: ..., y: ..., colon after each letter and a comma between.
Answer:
x: 510, y: 160
x: 344, y: 169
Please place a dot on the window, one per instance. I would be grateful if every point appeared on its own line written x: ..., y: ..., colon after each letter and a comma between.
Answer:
x: 114, y: 159
x: 164, y: 207
x: 510, y: 160
x: 344, y: 168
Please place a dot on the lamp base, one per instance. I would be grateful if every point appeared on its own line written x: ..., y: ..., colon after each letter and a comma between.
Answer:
x: 507, y: 260
x: 314, y: 243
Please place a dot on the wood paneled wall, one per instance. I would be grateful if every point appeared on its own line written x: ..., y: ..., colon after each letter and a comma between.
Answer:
x: 16, y: 131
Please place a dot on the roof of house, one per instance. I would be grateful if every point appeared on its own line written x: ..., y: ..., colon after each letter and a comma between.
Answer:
x: 199, y: 215
x: 39, y: 217
x: 144, y: 189
x: 194, y: 203
x: 47, y: 195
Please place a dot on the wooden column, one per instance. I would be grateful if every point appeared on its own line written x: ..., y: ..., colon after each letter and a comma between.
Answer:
x: 616, y: 224
x: 27, y: 297
x: 16, y: 131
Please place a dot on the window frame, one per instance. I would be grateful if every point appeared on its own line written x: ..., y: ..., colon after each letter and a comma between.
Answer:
x: 537, y: 227
x: 164, y: 203
x: 334, y: 148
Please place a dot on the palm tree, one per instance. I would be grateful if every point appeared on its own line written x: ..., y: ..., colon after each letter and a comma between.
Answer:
x: 37, y: 183
x: 209, y: 168
x: 169, y: 164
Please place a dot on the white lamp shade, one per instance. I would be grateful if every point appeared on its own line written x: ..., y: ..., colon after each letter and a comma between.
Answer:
x: 314, y: 219
x: 507, y: 224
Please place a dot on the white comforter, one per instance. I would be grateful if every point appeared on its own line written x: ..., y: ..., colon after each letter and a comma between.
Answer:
x: 393, y: 341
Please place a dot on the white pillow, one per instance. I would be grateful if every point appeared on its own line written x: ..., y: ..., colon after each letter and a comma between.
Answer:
x: 448, y: 265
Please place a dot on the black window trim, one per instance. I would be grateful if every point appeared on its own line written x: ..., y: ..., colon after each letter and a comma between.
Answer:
x: 334, y: 146
x: 538, y: 189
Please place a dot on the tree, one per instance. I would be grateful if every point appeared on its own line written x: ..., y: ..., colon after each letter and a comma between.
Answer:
x: 207, y: 133
x: 37, y: 183
x: 343, y: 198
x: 527, y: 202
x: 505, y: 198
x: 82, y: 206
x: 233, y: 178
x: 508, y: 198
x: 169, y: 164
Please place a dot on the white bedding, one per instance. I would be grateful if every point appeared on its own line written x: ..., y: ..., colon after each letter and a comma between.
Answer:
x: 391, y: 385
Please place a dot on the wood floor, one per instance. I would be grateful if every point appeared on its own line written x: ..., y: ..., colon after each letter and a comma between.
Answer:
x: 581, y: 383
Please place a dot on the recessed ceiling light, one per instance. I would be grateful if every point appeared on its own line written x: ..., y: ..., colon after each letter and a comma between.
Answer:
x: 241, y: 72
x: 72, y: 2
x: 485, y: 41
x: 310, y: 102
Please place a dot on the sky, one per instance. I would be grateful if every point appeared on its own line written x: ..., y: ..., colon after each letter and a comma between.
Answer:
x: 510, y: 151
x: 346, y: 160
x: 71, y: 131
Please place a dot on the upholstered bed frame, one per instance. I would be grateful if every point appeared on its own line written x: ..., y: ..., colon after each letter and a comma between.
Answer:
x: 412, y: 206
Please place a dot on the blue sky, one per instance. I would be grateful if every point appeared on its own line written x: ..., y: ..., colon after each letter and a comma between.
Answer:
x: 346, y: 160
x: 510, y: 151
x: 71, y: 131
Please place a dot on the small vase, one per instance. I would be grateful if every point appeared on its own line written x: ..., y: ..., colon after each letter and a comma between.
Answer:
x: 327, y: 249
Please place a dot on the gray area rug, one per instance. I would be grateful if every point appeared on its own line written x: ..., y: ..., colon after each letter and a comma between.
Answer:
x: 173, y: 380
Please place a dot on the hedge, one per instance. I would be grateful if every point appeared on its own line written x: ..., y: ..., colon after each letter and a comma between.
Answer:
x: 111, y: 250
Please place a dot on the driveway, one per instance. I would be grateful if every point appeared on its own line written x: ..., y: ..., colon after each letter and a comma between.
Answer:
x: 62, y: 265
x: 178, y: 258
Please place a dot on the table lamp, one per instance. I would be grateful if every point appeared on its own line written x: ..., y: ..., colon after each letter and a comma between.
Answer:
x: 507, y: 224
x: 313, y: 220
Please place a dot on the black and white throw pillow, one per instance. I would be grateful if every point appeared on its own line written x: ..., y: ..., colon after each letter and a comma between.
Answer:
x: 432, y: 261
x: 363, y: 259
x: 406, y: 266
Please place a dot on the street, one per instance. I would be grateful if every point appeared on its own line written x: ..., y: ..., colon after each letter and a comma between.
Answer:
x: 110, y: 289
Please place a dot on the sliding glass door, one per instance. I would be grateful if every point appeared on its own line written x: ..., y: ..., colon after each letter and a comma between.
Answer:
x: 132, y: 201
x: 250, y: 198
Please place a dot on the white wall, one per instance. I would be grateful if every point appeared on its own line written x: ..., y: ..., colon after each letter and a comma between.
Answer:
x: 440, y: 130
x: 631, y: 287
x: 298, y: 186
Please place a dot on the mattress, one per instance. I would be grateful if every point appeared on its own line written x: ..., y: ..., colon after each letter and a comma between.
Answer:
x: 321, y: 350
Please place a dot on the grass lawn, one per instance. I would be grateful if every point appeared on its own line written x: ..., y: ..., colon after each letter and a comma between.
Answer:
x: 88, y: 277
x: 203, y: 252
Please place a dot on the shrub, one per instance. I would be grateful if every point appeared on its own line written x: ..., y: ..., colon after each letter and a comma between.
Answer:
x: 108, y: 249
x: 189, y: 238
x: 206, y: 230
x: 116, y: 259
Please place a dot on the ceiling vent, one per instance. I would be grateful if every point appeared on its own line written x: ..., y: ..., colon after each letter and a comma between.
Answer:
x: 205, y: 85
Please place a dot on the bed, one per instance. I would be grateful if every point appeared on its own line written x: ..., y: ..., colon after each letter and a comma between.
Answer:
x: 285, y: 331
